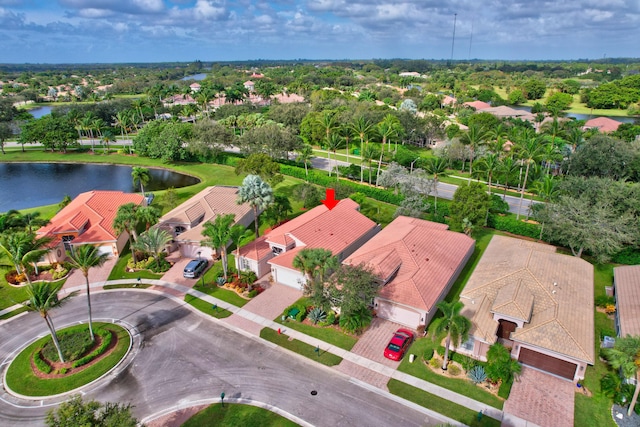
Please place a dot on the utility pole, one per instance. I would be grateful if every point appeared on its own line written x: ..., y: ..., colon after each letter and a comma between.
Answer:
x: 453, y: 39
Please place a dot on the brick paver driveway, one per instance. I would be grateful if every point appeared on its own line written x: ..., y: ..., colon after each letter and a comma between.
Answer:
x: 96, y: 274
x: 174, y: 275
x: 539, y: 399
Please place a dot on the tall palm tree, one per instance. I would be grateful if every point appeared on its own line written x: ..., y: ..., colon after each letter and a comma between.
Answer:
x: 137, y: 105
x: 237, y: 234
x: 345, y: 133
x: 328, y: 124
x: 140, y: 175
x: 258, y: 194
x: 529, y: 152
x: 153, y: 241
x: 22, y: 248
x: 126, y: 220
x: 334, y: 143
x: 361, y: 129
x: 508, y: 166
x: 148, y: 215
x: 305, y: 153
x: 454, y: 324
x: 84, y: 258
x: 625, y: 356
x: 218, y: 235
x: 489, y: 165
x: 368, y: 154
x: 436, y: 166
x: 43, y: 297
x: 389, y: 128
x: 473, y: 137
x: 107, y: 137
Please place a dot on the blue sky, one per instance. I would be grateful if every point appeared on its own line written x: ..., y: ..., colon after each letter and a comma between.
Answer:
x: 80, y: 31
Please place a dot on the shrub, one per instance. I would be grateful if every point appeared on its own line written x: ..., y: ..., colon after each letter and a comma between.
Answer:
x: 302, y: 311
x: 610, y: 309
x: 604, y: 300
x: 510, y: 224
x: 59, y: 273
x: 356, y: 321
x: 428, y: 354
x: 477, y: 374
x: 317, y: 315
x: 63, y: 371
x: 12, y: 277
x: 628, y: 256
x: 41, y: 364
x: 454, y: 370
x: 252, y: 293
x: 106, y: 336
x: 434, y: 363
x: 505, y: 389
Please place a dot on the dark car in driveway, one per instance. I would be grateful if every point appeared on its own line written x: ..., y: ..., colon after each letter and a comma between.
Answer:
x: 194, y: 268
x: 399, y: 344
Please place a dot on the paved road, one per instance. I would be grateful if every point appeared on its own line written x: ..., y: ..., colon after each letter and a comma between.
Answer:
x: 184, y: 357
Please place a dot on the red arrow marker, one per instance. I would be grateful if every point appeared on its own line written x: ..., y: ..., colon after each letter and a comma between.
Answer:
x: 330, y: 202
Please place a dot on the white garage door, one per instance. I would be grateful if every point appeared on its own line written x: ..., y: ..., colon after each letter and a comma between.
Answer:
x: 288, y: 277
x: 191, y: 251
x: 389, y: 311
x: 105, y: 250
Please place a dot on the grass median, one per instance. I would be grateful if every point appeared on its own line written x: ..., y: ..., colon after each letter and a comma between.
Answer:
x: 232, y: 415
x: 206, y: 307
x: 303, y: 349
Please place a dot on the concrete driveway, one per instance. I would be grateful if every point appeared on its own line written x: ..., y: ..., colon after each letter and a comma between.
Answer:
x: 539, y: 399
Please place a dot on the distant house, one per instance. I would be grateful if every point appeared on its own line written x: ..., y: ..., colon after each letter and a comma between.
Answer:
x: 502, y: 112
x: 186, y: 222
x: 288, y: 98
x: 410, y: 74
x: 626, y: 286
x: 477, y: 105
x: 534, y: 301
x: 255, y: 75
x: 88, y: 220
x: 416, y: 262
x: 195, y: 87
x: 448, y: 101
x: 341, y: 230
x: 250, y: 86
x: 602, y: 124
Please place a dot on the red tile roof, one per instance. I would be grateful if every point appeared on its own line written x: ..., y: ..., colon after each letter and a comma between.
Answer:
x: 478, y: 105
x: 627, y: 285
x: 92, y: 211
x: 603, y: 124
x: 429, y: 256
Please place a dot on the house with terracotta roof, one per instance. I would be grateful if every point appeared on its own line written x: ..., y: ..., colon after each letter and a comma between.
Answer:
x: 249, y: 85
x: 477, y: 105
x: 195, y: 87
x: 626, y: 287
x: 602, y: 124
x: 341, y: 230
x: 448, y: 100
x: 534, y: 301
x: 186, y: 222
x: 88, y: 220
x: 503, y: 112
x: 415, y: 262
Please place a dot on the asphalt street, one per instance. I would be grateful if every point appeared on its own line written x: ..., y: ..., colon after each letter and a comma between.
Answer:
x: 181, y: 357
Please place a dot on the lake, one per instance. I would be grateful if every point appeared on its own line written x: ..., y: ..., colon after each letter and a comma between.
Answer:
x: 196, y: 77
x: 584, y: 117
x: 40, y: 111
x: 27, y: 185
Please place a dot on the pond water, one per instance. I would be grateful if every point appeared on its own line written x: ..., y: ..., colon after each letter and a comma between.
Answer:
x: 583, y: 116
x: 196, y: 77
x: 40, y: 111
x: 27, y: 185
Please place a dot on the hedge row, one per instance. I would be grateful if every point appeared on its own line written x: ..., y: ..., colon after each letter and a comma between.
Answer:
x: 511, y: 225
x: 106, y: 336
x: 41, y: 364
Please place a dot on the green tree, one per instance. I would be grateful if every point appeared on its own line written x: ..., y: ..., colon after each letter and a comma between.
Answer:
x: 22, y: 248
x: 84, y: 258
x: 473, y: 137
x: 126, y: 221
x: 279, y: 210
x: 625, y: 356
x: 352, y: 288
x: 140, y: 176
x: 262, y: 165
x: 534, y: 89
x: 147, y: 215
x: 500, y: 365
x: 559, y: 102
x: 218, y: 235
x: 43, y: 297
x: 258, y: 194
x: 436, y: 166
x: 455, y: 325
x: 529, y: 151
x: 153, y: 241
x: 77, y: 413
x: 305, y: 154
x: 604, y: 157
x: 315, y: 263
x: 470, y: 202
x: 5, y: 133
x: 309, y: 194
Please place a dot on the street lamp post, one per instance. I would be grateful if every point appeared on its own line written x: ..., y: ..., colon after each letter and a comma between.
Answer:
x: 413, y: 163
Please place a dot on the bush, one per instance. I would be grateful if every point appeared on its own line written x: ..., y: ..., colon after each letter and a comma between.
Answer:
x: 317, y: 315
x: 63, y: 371
x: 629, y: 256
x: 604, y: 300
x: 12, y: 277
x: 428, y: 354
x: 434, y: 363
x: 41, y: 364
x: 59, y: 273
x: 302, y: 311
x: 477, y: 374
x: 252, y: 293
x: 106, y: 336
x: 454, y: 370
x: 510, y: 224
x: 505, y: 389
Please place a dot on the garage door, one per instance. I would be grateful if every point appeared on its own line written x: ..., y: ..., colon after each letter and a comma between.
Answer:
x: 397, y: 314
x: 288, y: 277
x: 191, y: 251
x: 105, y: 250
x: 550, y: 364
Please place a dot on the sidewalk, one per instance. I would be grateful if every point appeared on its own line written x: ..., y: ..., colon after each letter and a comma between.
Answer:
x: 172, y: 288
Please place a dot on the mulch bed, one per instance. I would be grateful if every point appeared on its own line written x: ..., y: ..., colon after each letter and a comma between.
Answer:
x: 56, y: 366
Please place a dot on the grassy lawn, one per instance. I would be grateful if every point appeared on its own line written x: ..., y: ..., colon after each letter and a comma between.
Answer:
x: 12, y: 295
x: 380, y: 212
x: 206, y: 307
x: 596, y: 410
x: 21, y: 379
x: 438, y: 404
x: 120, y: 269
x: 129, y: 286
x: 300, y: 347
x: 13, y: 313
x: 232, y: 415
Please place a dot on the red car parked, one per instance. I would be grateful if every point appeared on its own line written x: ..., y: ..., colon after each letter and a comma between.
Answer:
x: 399, y: 344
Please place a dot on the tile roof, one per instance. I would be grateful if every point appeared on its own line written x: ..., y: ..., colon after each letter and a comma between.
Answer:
x: 320, y: 227
x: 478, y: 105
x: 562, y: 318
x: 504, y: 111
x: 603, y: 124
x: 429, y: 256
x: 207, y: 204
x: 92, y: 212
x: 627, y: 283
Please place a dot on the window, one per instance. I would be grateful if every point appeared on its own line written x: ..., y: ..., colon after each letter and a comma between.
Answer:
x: 67, y: 242
x: 276, y: 250
x: 244, y: 264
x: 179, y: 230
x: 468, y: 344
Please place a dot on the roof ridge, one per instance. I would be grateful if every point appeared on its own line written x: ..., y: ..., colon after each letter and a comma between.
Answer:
x: 493, y: 281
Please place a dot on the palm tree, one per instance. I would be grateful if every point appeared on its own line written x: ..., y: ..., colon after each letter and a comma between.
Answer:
x: 140, y: 175
x: 327, y: 121
x: 258, y: 194
x: 508, y: 166
x: 389, y: 128
x: 305, y: 153
x: 529, y: 152
x: 137, y: 105
x: 107, y: 137
x: 345, y: 133
x: 454, y: 324
x: 368, y: 154
x: 218, y: 235
x: 237, y: 234
x: 153, y: 241
x: 474, y: 137
x: 361, y: 129
x: 334, y: 143
x: 148, y: 215
x: 43, y: 297
x: 489, y: 165
x: 126, y: 220
x: 315, y: 263
x: 436, y: 166
x: 625, y: 356
x: 23, y: 248
x: 84, y: 258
